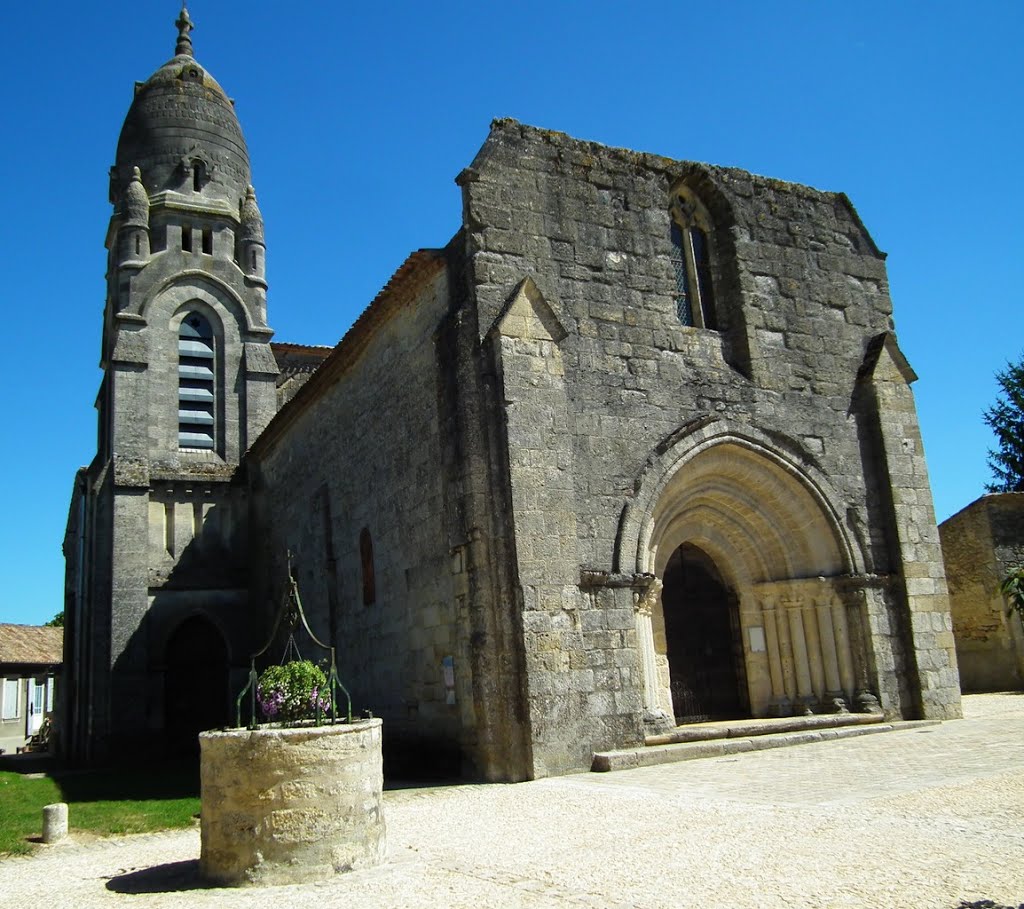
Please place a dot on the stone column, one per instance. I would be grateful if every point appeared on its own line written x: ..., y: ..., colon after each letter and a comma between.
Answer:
x: 856, y: 614
x: 779, y: 699
x: 846, y: 673
x: 643, y: 604
x: 814, y: 654
x: 782, y: 628
x: 799, y: 644
x: 830, y: 657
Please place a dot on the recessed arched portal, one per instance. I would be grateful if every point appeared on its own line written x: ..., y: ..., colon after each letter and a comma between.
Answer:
x: 195, y: 684
x: 703, y: 642
x: 749, y: 552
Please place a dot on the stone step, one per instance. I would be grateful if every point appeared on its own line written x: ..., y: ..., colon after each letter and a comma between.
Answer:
x: 671, y: 752
x: 746, y: 728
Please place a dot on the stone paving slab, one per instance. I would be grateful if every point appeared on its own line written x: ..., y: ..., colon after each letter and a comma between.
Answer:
x: 918, y: 818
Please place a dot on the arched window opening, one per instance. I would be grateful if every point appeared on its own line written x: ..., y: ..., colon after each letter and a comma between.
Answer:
x: 684, y: 302
x: 196, y: 385
x: 691, y: 261
x: 366, y: 560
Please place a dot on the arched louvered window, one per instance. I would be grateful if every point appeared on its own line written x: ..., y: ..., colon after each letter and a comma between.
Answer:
x: 691, y: 261
x: 197, y: 394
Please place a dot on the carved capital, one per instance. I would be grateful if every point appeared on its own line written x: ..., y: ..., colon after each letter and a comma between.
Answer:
x: 643, y: 601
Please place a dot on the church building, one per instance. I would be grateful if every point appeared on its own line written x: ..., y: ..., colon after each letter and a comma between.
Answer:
x: 636, y: 448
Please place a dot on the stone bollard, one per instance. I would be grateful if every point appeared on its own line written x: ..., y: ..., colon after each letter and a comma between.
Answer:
x: 55, y: 822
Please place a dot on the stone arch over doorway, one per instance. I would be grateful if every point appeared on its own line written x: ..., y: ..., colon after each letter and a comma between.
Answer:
x: 196, y: 686
x: 759, y: 527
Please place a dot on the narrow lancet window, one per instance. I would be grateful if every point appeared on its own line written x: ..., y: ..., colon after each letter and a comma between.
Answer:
x: 683, y: 307
x: 691, y: 262
x: 196, y: 383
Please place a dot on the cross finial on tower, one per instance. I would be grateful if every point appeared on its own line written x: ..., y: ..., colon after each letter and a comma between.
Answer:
x: 184, y: 23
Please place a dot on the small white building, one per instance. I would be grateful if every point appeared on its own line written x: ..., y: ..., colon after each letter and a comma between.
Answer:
x: 31, y: 657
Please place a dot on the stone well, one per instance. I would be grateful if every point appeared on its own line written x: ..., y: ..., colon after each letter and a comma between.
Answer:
x: 281, y: 806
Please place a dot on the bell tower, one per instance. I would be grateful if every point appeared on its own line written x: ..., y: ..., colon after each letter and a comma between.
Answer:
x: 189, y: 382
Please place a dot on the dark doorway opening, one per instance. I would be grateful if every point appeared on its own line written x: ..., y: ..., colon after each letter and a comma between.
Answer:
x: 195, y: 684
x: 702, y: 633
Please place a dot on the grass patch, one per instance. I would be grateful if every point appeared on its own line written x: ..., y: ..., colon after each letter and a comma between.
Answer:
x: 102, y: 802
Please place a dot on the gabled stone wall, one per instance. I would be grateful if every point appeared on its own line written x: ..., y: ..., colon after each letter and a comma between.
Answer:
x: 800, y: 286
x: 980, y: 544
x: 802, y: 305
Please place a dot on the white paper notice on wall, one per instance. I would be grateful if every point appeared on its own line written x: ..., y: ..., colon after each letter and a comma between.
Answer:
x: 448, y: 669
x: 756, y: 636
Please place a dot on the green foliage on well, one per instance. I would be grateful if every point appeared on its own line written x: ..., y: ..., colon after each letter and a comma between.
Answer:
x: 1006, y: 419
x: 102, y: 802
x: 293, y: 692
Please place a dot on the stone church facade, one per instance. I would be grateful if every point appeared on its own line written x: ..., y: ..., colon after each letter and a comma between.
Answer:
x: 637, y: 447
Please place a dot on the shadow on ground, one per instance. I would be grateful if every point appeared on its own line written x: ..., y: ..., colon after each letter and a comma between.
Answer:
x: 173, y: 780
x: 173, y: 877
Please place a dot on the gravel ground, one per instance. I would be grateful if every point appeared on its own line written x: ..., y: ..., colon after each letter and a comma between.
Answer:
x: 925, y: 817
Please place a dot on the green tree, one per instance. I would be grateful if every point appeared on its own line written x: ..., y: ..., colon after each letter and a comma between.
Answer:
x: 57, y: 621
x: 1012, y: 589
x: 1006, y: 419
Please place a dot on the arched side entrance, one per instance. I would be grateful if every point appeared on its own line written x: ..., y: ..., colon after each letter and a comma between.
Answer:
x: 748, y: 552
x: 196, y: 691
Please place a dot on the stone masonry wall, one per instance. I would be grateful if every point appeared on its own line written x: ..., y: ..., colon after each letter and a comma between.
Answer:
x: 922, y: 616
x: 582, y: 663
x: 801, y: 292
x: 980, y: 544
x: 361, y: 451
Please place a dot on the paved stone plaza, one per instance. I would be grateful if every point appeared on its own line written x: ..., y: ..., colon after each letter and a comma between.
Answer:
x: 924, y: 817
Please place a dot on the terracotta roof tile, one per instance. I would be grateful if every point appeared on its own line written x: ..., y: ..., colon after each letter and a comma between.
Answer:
x: 31, y: 644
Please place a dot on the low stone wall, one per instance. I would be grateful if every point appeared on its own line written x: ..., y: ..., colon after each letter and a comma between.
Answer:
x: 281, y: 806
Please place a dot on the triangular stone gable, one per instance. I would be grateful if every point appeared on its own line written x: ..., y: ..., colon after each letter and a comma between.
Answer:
x: 528, y: 314
x: 884, y: 361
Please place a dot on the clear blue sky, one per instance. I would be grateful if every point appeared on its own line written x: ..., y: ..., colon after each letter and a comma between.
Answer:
x: 359, y: 116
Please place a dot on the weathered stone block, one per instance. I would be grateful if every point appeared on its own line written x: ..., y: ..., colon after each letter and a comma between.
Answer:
x: 284, y: 806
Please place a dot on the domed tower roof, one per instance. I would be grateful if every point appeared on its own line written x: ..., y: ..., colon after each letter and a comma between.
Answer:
x: 182, y: 132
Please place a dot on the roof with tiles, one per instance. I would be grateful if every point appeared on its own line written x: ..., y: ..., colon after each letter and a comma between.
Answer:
x: 35, y: 644
x: 399, y: 291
